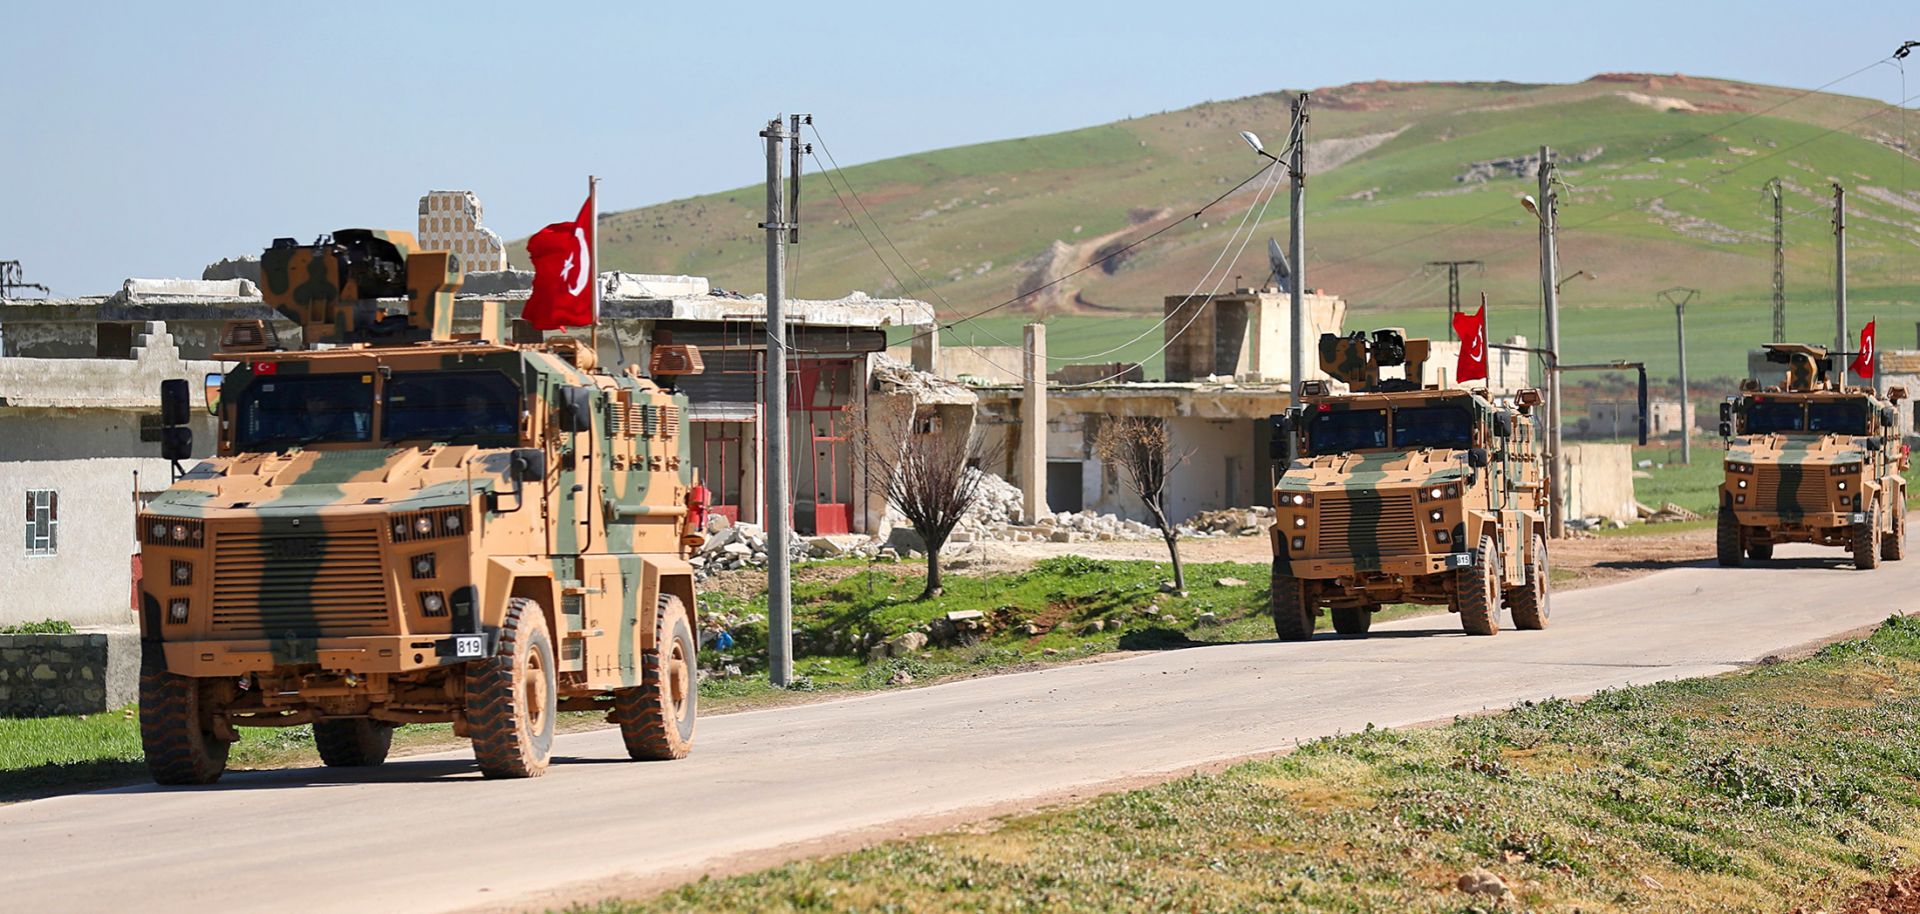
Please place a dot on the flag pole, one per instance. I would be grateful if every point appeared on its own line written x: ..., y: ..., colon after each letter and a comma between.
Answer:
x: 593, y: 221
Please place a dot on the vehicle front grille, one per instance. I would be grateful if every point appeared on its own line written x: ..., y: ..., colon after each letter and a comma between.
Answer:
x: 329, y: 582
x: 1791, y: 489
x: 1359, y: 523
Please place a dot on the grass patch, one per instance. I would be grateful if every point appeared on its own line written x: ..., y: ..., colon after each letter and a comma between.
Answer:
x: 1759, y: 791
x: 43, y: 627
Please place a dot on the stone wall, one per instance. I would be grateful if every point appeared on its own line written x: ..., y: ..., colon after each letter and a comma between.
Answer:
x: 46, y: 675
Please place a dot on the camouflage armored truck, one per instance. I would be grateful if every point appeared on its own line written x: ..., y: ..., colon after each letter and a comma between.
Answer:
x: 1398, y: 493
x: 1811, y: 461
x: 414, y: 526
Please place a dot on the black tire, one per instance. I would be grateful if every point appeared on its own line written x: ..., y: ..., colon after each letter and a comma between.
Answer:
x: 179, y: 749
x: 1530, y: 602
x: 1353, y: 620
x: 1760, y: 552
x: 1893, y: 546
x: 1293, y: 613
x: 352, y: 743
x: 512, y: 698
x: 656, y: 718
x: 1866, y: 542
x: 1726, y: 539
x: 1477, y: 591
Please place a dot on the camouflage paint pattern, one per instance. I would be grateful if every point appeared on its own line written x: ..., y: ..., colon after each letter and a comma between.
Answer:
x: 1364, y: 529
x: 1783, y: 487
x: 312, y: 567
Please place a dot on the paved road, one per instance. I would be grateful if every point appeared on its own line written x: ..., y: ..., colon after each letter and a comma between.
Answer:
x: 427, y: 834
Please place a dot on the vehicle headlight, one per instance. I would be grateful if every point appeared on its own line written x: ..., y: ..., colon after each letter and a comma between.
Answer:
x: 433, y: 603
x: 182, y: 573
x: 1436, y: 493
x: 1434, y: 515
x: 1452, y: 491
x: 423, y: 525
x: 177, y: 611
x: 423, y: 566
x: 1741, y: 483
x: 453, y: 522
x: 1299, y: 521
x: 1843, y: 485
x: 159, y: 531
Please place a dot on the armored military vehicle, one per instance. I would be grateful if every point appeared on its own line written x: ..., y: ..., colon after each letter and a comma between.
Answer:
x: 1810, y: 460
x: 407, y: 525
x: 1398, y: 493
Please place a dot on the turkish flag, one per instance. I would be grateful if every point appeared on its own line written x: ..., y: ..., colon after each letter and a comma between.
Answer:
x: 1472, y: 331
x: 1863, y: 361
x: 563, y: 273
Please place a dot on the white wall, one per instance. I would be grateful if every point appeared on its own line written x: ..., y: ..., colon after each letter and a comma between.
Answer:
x: 88, y: 579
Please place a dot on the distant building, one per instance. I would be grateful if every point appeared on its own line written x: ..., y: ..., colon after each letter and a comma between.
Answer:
x: 450, y: 221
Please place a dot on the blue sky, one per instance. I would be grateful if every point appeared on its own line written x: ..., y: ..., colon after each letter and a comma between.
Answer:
x: 151, y: 139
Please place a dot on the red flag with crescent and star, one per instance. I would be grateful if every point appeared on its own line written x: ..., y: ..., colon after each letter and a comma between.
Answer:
x: 1863, y: 361
x: 1472, y: 331
x: 563, y: 272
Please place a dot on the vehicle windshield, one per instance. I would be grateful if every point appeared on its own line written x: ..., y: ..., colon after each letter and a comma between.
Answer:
x: 1845, y: 417
x: 278, y: 412
x: 465, y: 406
x: 1766, y: 417
x: 1433, y: 426
x: 1338, y: 431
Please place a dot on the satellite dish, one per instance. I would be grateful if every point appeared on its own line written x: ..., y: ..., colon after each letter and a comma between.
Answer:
x: 1282, y: 271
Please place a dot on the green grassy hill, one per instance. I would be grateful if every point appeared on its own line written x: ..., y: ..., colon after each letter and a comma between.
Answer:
x: 1664, y: 179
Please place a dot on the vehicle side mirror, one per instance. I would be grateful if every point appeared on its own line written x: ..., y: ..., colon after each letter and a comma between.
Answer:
x: 1875, y: 444
x: 529, y: 464
x: 1726, y: 429
x: 576, y: 409
x: 176, y: 404
x: 1726, y: 411
x: 1503, y: 424
x: 213, y: 381
x: 1280, y: 444
x: 1889, y: 417
x: 1477, y: 457
x: 176, y: 408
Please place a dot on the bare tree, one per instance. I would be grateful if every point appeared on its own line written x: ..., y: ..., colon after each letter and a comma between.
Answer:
x: 1141, y: 446
x: 925, y: 472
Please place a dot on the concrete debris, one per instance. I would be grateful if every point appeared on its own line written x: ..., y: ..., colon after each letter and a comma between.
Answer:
x: 1230, y: 522
x: 1483, y: 882
x: 1665, y: 514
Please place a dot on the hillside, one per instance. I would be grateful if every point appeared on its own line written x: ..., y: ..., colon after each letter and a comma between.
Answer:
x: 1664, y: 175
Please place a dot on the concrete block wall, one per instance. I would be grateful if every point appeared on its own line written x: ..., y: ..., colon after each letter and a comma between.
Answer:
x: 46, y: 675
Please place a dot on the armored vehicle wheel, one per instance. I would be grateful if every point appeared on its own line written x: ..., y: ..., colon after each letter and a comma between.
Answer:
x: 1866, y: 542
x: 179, y: 749
x: 656, y: 718
x: 1477, y: 591
x: 1529, y: 601
x: 1353, y: 620
x: 511, y: 697
x: 353, y: 743
x: 1726, y: 540
x: 1760, y: 552
x: 1893, y: 547
x: 1293, y: 615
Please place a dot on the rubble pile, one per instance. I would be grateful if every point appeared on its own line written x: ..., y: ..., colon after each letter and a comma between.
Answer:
x: 1667, y: 513
x: 732, y: 546
x: 1229, y: 522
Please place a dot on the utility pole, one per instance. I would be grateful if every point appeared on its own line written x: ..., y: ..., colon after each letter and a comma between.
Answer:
x: 1547, y: 209
x: 1453, y: 286
x: 1779, y: 264
x: 774, y: 459
x: 1838, y: 370
x: 1686, y: 393
x: 1297, y: 244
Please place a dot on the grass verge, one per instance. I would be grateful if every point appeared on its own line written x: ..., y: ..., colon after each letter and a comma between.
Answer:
x: 1779, y: 786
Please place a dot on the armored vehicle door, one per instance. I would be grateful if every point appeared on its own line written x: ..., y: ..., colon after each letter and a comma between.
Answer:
x: 575, y: 420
